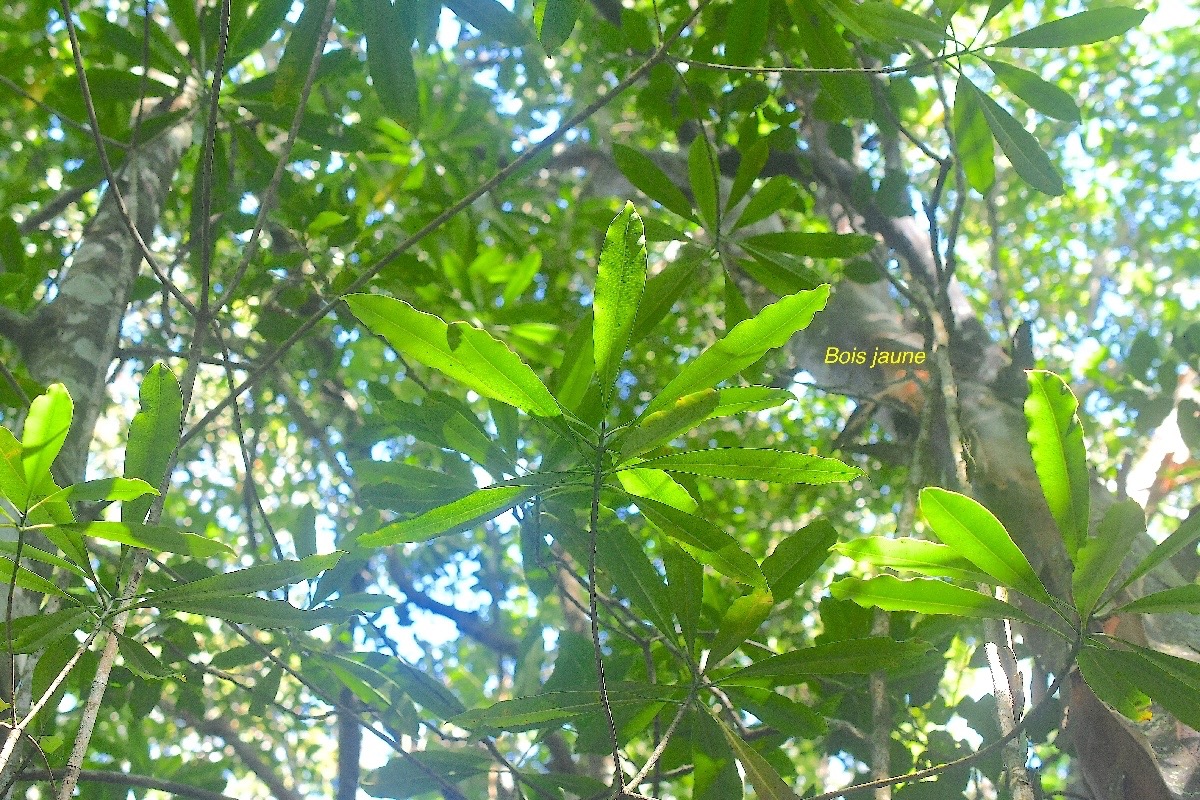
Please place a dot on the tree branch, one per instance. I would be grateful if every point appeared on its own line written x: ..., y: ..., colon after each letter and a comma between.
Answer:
x: 125, y: 779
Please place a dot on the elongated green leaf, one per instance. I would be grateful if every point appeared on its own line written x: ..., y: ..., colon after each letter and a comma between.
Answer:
x: 1186, y: 534
x: 925, y: 596
x: 778, y: 192
x: 643, y: 173
x: 749, y: 168
x: 619, y: 285
x: 46, y: 427
x: 264, y: 21
x: 1086, y: 27
x: 141, y: 661
x: 259, y: 612
x: 976, y: 535
x: 789, y: 717
x: 756, y: 464
x: 33, y: 633
x: 913, y: 555
x: 1056, y: 442
x: 37, y: 554
x: 28, y: 579
x: 715, y: 775
x: 657, y: 484
x: 663, y: 291
x: 741, y: 620
x: 475, y: 359
x: 1181, y: 598
x: 105, y: 489
x: 1023, y: 151
x: 621, y: 557
x: 479, y: 506
x: 554, y: 20
x: 702, y: 175
x: 491, y: 18
x: 743, y: 399
x: 973, y: 138
x: 1173, y: 682
x: 887, y: 21
x: 416, y: 773
x: 389, y: 31
x: 155, y: 538
x: 826, y: 48
x: 762, y: 776
x: 1102, y: 555
x: 746, y: 37
x: 662, y: 426
x: 745, y: 344
x: 685, y: 588
x: 550, y: 708
x: 1110, y: 685
x: 260, y: 578
x: 1039, y: 94
x: 153, y: 435
x: 704, y: 542
x: 12, y: 471
x: 301, y: 47
x: 796, y: 558
x: 815, y: 245
x: 860, y: 656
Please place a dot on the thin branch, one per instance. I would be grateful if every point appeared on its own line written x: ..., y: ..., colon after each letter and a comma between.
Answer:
x: 126, y: 779
x: 441, y: 219
x: 16, y: 89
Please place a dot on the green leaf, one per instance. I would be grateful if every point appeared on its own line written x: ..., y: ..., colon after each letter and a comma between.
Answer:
x: 479, y: 506
x: 183, y: 17
x: 302, y: 46
x: 662, y: 292
x: 702, y: 176
x: 1023, y: 151
x: 756, y: 464
x: 37, y: 554
x: 1037, y: 93
x: 748, y: 170
x: 554, y: 20
x: 815, y: 245
x: 1173, y: 682
x: 973, y: 138
x: 925, y: 596
x: 34, y: 633
x: 476, y: 359
x: 28, y: 579
x: 1059, y: 455
x: 414, y: 774
x: 647, y: 176
x: 826, y: 48
x: 553, y: 708
x: 1102, y: 555
x: 260, y: 578
x: 743, y: 399
x: 12, y: 471
x: 762, y: 776
x: 913, y: 555
x: 796, y: 558
x: 715, y: 775
x: 1086, y: 27
x: 1185, y: 535
x: 657, y: 484
x: 975, y: 534
x: 1110, y: 685
x: 747, y: 33
x: 620, y: 282
x: 491, y: 18
x: 743, y: 617
x: 389, y: 32
x: 622, y: 558
x: 264, y: 21
x: 778, y: 192
x: 153, y: 436
x: 324, y: 221
x: 1181, y: 598
x: 704, y: 542
x: 685, y: 588
x: 789, y: 717
x: 888, y: 22
x: 155, y: 538
x: 258, y: 611
x: 123, y: 489
x: 141, y: 661
x: 857, y: 656
x: 661, y: 427
x: 45, y: 430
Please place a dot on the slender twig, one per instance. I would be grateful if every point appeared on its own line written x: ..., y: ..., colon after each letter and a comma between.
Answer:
x: 515, y: 166
x: 125, y: 779
x: 13, y: 86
